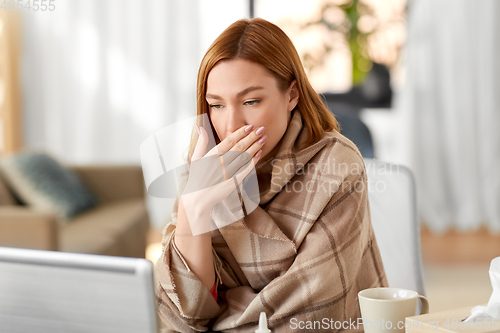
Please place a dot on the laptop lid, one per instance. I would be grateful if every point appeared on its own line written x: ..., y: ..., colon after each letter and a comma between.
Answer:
x: 46, y: 291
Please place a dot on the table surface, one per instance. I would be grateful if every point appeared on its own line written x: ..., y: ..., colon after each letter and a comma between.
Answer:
x: 437, y: 322
x: 449, y: 321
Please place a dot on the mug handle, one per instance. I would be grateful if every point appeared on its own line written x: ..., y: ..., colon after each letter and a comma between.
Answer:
x: 425, y: 304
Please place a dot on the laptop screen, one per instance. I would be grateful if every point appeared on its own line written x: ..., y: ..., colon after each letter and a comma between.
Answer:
x: 46, y: 291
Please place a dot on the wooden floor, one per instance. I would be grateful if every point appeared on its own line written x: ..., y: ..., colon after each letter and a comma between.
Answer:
x: 456, y: 267
x: 459, y: 248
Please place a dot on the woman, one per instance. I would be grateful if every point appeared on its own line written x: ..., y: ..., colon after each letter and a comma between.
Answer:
x: 303, y: 254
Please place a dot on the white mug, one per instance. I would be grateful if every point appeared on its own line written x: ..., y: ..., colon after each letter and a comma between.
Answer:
x: 385, y: 309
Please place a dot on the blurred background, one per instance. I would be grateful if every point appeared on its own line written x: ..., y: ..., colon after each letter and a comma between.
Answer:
x: 414, y: 82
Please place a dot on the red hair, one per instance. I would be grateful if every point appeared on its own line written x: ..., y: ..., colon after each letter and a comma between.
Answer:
x: 266, y: 44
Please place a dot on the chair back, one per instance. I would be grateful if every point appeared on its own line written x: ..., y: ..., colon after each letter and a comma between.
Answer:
x: 393, y: 209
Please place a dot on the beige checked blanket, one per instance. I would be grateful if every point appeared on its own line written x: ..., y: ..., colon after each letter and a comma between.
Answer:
x: 302, y: 256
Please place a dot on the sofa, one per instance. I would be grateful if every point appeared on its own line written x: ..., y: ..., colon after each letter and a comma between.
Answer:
x: 117, y: 226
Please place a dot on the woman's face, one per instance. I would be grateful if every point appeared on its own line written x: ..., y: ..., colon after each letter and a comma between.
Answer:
x: 241, y: 92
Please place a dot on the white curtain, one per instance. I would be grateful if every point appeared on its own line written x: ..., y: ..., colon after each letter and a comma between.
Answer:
x: 451, y: 108
x: 100, y: 76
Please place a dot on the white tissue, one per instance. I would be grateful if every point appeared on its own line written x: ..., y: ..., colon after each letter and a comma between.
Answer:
x: 492, y: 310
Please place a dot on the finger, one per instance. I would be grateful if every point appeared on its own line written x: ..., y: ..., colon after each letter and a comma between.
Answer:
x: 249, y: 144
x: 233, y: 160
x: 232, y: 139
x: 245, y: 170
x: 250, y: 139
x: 201, y: 144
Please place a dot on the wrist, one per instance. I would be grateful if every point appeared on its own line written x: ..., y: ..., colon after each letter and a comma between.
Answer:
x: 195, y: 218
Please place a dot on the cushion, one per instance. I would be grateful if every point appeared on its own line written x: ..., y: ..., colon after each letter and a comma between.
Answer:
x: 42, y: 182
x: 6, y: 198
x: 116, y: 229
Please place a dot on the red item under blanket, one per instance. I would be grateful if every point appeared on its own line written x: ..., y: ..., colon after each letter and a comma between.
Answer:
x: 213, y: 291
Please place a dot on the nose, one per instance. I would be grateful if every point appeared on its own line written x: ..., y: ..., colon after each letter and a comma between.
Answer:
x: 235, y: 120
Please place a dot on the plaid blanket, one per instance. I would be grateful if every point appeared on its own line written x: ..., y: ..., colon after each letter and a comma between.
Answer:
x: 301, y: 256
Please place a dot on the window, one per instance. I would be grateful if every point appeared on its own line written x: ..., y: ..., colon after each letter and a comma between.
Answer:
x: 10, y: 101
x: 323, y: 33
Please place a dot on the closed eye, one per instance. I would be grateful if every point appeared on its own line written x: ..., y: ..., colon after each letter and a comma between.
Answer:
x: 215, y: 106
x: 253, y: 102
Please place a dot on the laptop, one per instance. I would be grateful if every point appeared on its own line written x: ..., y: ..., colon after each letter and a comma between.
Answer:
x: 51, y: 292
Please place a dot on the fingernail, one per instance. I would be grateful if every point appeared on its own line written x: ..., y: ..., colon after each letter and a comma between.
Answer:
x: 263, y: 139
x: 260, y: 131
x: 258, y: 153
x: 248, y: 128
x: 197, y: 129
